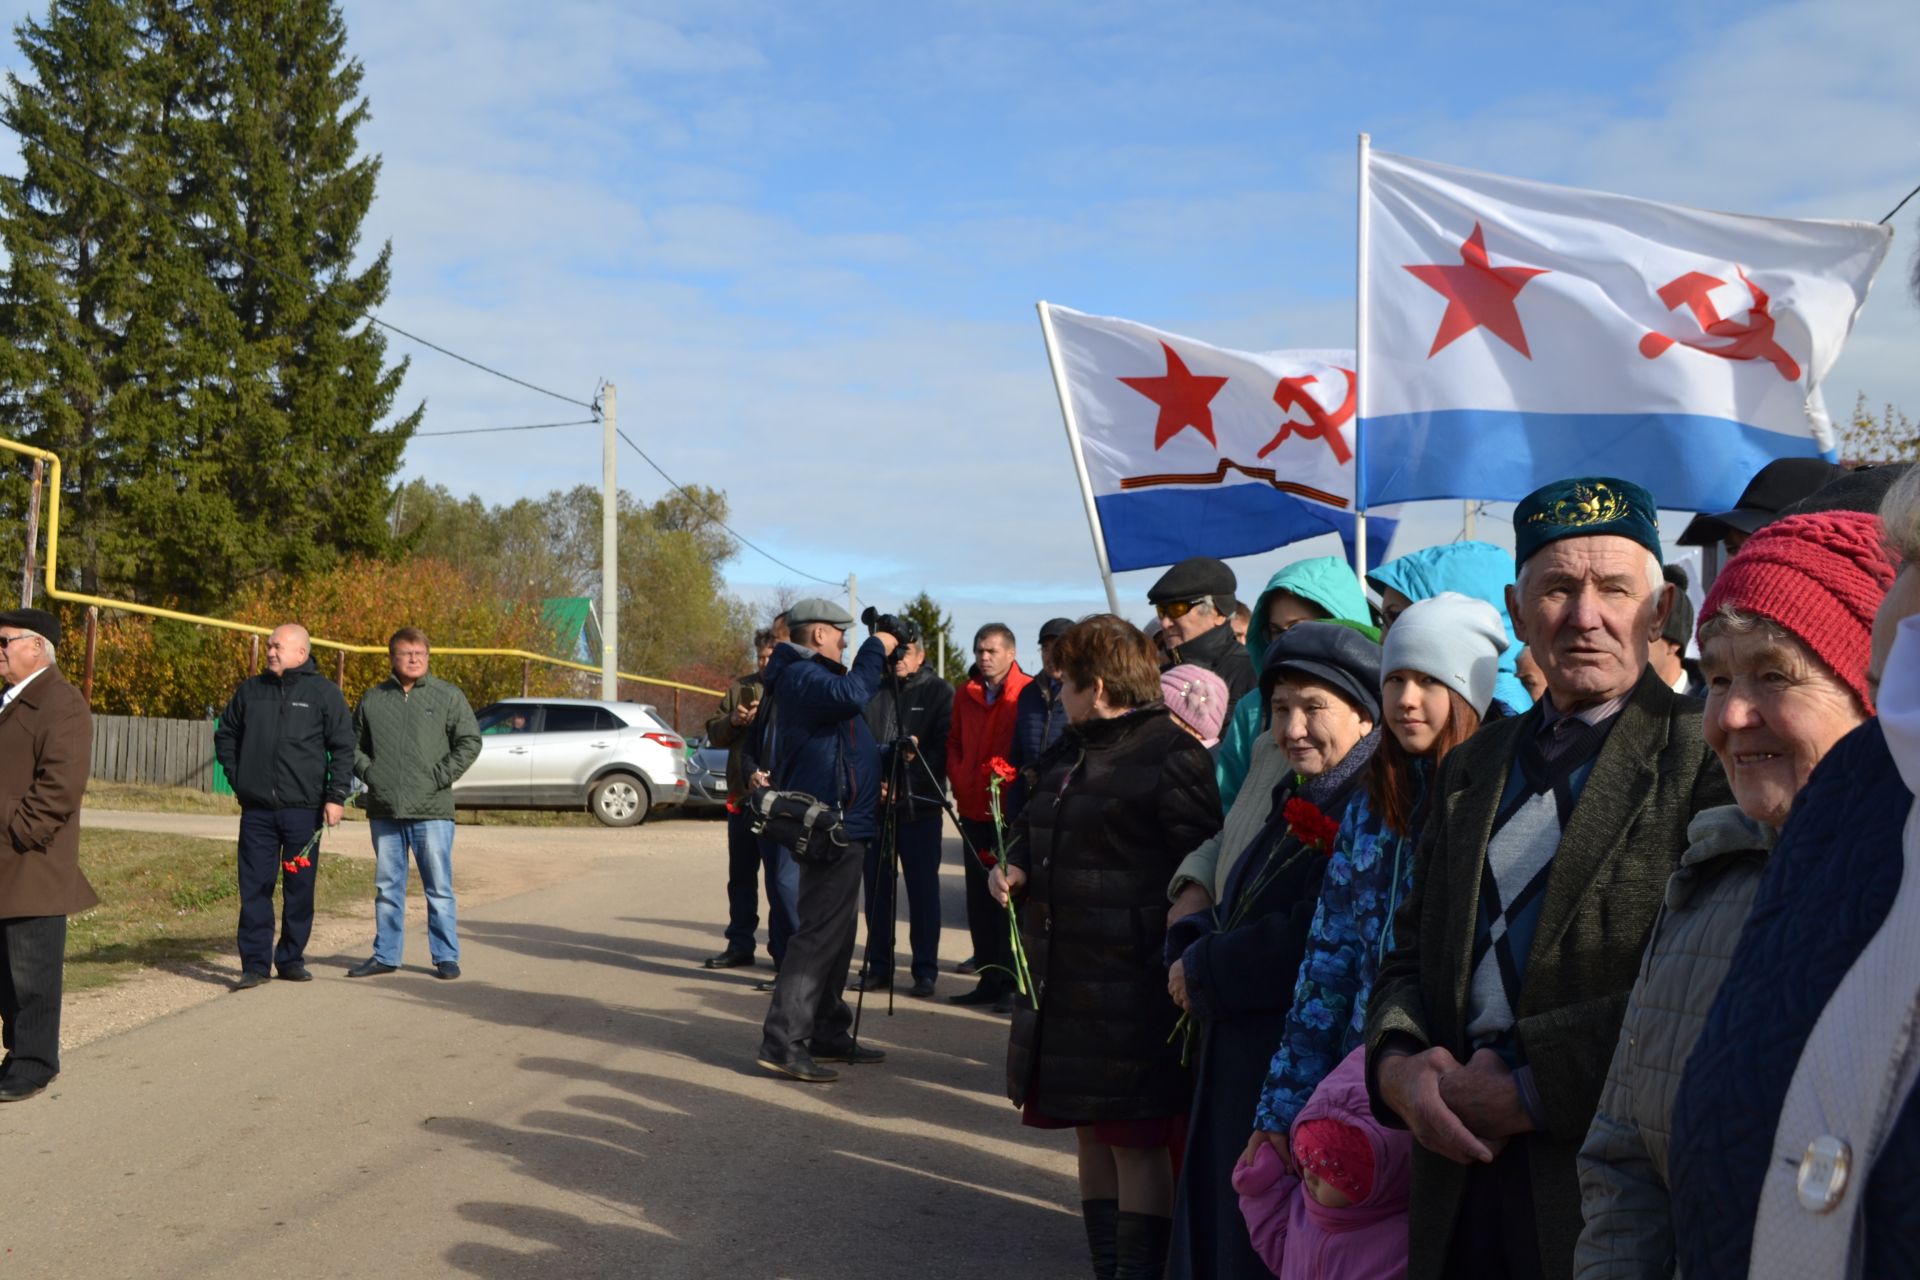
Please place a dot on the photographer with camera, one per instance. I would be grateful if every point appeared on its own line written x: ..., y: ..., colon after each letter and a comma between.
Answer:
x: 818, y: 756
x: 909, y: 717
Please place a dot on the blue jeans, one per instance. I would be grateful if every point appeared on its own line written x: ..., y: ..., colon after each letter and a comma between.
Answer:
x: 431, y: 840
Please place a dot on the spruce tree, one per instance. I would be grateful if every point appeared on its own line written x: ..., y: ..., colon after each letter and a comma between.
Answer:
x: 294, y: 473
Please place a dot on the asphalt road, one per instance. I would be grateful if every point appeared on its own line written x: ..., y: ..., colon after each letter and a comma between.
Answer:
x: 582, y: 1103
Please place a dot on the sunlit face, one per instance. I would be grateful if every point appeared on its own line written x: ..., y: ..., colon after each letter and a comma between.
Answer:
x: 994, y: 653
x: 1313, y: 724
x: 1531, y: 677
x: 1392, y: 605
x: 1773, y: 711
x: 409, y: 660
x: 287, y: 648
x: 1192, y: 624
x: 829, y: 641
x: 23, y: 654
x: 1416, y: 707
x: 1586, y: 609
x: 1902, y: 601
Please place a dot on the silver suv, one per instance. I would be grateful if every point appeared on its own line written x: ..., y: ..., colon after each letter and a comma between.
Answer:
x: 619, y: 760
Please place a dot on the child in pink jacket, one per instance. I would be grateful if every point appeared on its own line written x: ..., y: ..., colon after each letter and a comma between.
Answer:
x: 1344, y: 1217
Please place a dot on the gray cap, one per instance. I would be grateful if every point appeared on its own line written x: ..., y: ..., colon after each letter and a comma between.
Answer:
x: 1454, y: 638
x: 817, y: 609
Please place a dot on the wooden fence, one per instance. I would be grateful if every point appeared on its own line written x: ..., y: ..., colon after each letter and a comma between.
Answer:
x: 173, y: 753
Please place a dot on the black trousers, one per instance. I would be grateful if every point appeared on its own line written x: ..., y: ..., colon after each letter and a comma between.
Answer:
x: 986, y: 919
x: 33, y: 950
x: 918, y: 853
x: 268, y: 839
x: 743, y: 882
x: 809, y: 1005
x: 1494, y: 1237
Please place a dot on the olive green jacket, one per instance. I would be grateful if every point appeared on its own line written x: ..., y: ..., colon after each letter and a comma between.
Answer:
x: 1620, y: 845
x: 410, y: 746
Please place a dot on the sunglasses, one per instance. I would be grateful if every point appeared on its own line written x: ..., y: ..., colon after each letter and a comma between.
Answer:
x: 1178, y: 608
x: 7, y: 640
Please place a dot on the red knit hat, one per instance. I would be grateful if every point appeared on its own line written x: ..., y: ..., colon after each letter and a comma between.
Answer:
x: 1820, y: 576
x: 1335, y: 1152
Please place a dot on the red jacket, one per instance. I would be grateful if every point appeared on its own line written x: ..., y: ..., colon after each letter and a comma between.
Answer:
x: 979, y: 733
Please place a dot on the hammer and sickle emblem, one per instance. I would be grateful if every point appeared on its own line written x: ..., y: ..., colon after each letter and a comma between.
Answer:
x: 1323, y: 425
x: 1749, y: 339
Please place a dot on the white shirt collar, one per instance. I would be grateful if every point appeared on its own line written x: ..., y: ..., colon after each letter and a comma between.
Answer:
x: 13, y: 690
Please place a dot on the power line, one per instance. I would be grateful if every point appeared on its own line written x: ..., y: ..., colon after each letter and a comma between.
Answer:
x: 744, y: 540
x: 1897, y: 208
x: 270, y: 269
x: 487, y: 431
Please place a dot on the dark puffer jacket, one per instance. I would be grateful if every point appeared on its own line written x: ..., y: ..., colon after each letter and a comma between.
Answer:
x: 1117, y: 804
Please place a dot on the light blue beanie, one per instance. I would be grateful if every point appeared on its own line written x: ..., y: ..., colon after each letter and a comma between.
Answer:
x: 1455, y: 639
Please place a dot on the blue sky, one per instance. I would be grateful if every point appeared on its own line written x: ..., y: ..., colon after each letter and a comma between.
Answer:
x: 805, y: 239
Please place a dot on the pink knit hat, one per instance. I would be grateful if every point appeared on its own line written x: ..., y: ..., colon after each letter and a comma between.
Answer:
x: 1820, y: 576
x: 1199, y: 698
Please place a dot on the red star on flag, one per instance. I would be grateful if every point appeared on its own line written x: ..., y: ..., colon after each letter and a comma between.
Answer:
x: 1183, y: 398
x: 1479, y: 295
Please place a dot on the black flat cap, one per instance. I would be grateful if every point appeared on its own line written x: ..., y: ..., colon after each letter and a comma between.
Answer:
x: 1861, y: 489
x: 38, y: 621
x: 1330, y: 652
x: 1192, y: 578
x: 1054, y: 628
x: 1778, y: 484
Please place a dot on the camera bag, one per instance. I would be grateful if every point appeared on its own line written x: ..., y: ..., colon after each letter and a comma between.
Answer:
x: 807, y: 827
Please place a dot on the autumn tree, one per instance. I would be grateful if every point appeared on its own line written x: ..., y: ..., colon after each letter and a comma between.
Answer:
x: 1890, y: 437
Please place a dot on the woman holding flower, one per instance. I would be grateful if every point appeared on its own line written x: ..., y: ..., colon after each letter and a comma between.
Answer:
x: 1442, y: 659
x: 1232, y: 967
x: 1115, y: 804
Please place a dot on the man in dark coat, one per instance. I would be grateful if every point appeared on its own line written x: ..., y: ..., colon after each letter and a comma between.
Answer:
x: 1195, y: 604
x: 1038, y: 717
x: 1540, y: 872
x: 286, y: 744
x: 914, y: 706
x: 46, y: 746
x: 728, y: 728
x: 811, y: 738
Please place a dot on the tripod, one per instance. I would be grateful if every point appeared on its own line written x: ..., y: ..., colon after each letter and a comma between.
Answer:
x: 902, y: 758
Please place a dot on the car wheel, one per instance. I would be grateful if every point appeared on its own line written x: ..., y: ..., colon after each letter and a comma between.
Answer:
x: 619, y: 800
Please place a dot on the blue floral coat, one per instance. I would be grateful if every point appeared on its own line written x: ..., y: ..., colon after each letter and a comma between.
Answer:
x: 1367, y: 878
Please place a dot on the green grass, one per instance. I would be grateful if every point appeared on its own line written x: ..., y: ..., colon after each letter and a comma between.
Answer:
x: 173, y: 899
x: 152, y: 798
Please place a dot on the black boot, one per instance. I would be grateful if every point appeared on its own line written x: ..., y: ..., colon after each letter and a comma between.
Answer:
x: 1102, y: 1220
x: 1141, y: 1240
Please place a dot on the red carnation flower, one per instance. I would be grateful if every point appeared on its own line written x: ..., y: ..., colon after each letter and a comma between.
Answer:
x: 1310, y: 826
x: 1002, y: 770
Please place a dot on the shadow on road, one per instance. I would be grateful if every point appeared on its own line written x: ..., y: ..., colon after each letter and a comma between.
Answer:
x: 693, y: 1179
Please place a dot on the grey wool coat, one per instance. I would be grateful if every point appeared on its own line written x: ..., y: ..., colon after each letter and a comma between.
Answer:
x: 1623, y: 1166
x: 1609, y: 875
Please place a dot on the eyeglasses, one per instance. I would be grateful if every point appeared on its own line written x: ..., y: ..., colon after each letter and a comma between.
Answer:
x: 7, y: 640
x: 1178, y: 608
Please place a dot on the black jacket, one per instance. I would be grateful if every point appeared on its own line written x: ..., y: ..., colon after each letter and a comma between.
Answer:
x: 286, y: 741
x: 920, y: 707
x: 1119, y: 802
x: 1219, y: 652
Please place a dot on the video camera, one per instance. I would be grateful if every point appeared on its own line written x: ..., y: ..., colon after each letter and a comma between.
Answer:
x: 905, y: 630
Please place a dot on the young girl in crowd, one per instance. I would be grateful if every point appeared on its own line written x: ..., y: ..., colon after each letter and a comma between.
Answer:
x: 1343, y: 1214
x: 1440, y: 660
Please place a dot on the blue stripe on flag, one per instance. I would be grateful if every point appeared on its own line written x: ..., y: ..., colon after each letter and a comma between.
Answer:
x: 1689, y: 462
x: 1147, y: 528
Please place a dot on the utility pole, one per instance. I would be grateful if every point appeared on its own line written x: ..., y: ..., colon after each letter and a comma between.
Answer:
x: 609, y: 548
x: 853, y: 597
x: 33, y: 536
x: 1466, y: 521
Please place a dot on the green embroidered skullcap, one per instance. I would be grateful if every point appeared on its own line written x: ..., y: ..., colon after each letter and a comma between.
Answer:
x: 1586, y: 507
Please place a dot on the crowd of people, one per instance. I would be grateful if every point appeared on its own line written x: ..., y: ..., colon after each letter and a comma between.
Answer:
x: 1473, y: 924
x: 1460, y: 926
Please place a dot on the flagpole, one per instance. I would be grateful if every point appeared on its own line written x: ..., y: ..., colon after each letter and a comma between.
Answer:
x: 1079, y: 456
x: 1360, y: 363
